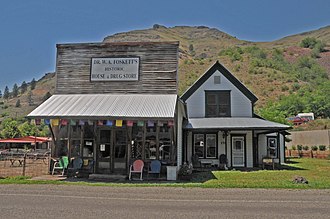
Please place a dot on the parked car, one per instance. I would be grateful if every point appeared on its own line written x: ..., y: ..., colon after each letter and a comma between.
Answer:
x: 297, y: 120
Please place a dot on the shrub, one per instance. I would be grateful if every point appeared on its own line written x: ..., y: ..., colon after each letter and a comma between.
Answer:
x: 322, y: 147
x: 299, y: 147
x: 305, y: 148
x: 294, y: 147
x: 314, y: 148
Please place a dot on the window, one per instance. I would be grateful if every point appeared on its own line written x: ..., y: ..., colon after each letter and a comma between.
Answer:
x: 205, y: 145
x: 217, y: 104
x: 272, y: 147
x: 217, y: 80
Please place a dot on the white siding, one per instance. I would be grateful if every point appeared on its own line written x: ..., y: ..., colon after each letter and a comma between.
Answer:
x: 241, y: 106
x: 179, y: 135
x: 262, y: 147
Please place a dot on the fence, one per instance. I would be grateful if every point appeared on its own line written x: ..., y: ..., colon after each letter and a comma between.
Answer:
x: 24, y: 164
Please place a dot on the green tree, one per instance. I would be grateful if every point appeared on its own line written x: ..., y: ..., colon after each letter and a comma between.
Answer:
x: 6, y: 93
x: 33, y: 84
x: 18, y: 103
x: 46, y: 96
x: 15, y: 90
x: 9, y: 128
x: 0, y: 94
x: 29, y: 98
x: 23, y: 87
x: 27, y: 129
x: 308, y: 42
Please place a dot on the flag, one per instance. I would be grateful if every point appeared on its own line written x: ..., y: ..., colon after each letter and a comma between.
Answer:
x: 129, y: 123
x: 109, y: 123
x: 81, y: 122
x: 119, y: 123
x: 140, y: 123
x: 55, y: 122
x: 170, y: 123
x: 151, y: 123
x: 37, y: 121
x: 73, y: 122
x: 64, y: 122
x: 47, y: 121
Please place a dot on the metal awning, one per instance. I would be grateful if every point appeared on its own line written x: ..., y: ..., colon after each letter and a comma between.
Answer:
x: 239, y: 123
x: 107, y: 106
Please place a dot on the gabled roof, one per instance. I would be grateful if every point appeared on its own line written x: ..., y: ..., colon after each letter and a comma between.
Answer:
x: 227, y: 74
x: 107, y: 106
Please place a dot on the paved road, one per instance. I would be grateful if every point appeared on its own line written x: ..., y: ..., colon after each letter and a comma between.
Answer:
x: 59, y: 201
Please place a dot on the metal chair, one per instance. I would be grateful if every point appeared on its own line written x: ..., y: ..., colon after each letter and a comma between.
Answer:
x: 155, y: 167
x: 136, y: 167
x: 61, y: 164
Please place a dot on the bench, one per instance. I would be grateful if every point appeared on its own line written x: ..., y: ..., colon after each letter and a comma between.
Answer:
x: 266, y: 161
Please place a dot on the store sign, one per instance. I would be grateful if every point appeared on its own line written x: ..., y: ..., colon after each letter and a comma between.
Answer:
x: 115, y: 69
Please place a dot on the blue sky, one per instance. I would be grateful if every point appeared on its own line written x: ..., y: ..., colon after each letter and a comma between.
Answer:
x: 31, y: 29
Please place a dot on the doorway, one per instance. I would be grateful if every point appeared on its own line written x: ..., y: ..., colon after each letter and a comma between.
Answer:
x: 111, y: 151
x: 238, y: 150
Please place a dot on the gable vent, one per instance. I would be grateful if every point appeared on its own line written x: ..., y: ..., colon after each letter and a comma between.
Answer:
x: 217, y: 80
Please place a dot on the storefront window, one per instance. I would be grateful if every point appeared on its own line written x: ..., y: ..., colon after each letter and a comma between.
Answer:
x: 150, y: 143
x: 211, y: 145
x: 164, y: 143
x: 88, y: 146
x: 137, y: 142
x: 199, y: 145
x: 205, y: 145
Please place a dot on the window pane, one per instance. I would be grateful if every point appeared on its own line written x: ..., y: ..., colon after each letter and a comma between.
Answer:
x: 211, y: 99
x: 224, y: 110
x: 211, y: 111
x: 211, y: 146
x: 199, y: 145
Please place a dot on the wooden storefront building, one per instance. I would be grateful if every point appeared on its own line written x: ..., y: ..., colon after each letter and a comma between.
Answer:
x: 114, y: 103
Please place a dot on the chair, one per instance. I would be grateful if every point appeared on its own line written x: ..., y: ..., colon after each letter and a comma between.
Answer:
x: 195, y: 161
x: 75, y: 166
x: 155, y: 167
x: 61, y: 164
x: 223, y: 161
x: 137, y: 167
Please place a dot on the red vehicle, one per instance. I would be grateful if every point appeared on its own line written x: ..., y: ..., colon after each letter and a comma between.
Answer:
x: 298, y: 120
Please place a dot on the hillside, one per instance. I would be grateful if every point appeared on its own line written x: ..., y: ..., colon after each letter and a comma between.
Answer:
x: 251, y: 62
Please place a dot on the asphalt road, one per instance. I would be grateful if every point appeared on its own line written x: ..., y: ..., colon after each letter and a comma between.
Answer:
x: 59, y: 201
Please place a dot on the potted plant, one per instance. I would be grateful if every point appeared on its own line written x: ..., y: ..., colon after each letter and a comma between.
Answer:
x: 185, y: 172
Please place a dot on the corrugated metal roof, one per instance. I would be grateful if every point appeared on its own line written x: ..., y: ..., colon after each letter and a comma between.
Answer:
x: 100, y: 106
x: 233, y: 123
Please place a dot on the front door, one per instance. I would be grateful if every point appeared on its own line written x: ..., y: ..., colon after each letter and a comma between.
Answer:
x: 111, y: 151
x: 119, y: 155
x: 103, y: 161
x: 238, y: 157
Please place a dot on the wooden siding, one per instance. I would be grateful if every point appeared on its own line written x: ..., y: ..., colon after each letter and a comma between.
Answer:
x: 241, y: 106
x: 157, y: 70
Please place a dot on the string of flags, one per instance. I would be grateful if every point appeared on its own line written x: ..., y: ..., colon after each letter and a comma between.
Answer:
x: 116, y: 123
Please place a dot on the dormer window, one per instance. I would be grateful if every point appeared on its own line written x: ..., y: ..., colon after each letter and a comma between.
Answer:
x: 217, y: 104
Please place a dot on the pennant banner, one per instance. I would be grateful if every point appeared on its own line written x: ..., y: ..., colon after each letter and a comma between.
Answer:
x: 140, y: 123
x: 151, y: 123
x: 47, y: 121
x: 37, y: 121
x: 129, y: 123
x: 109, y: 123
x: 55, y: 122
x: 64, y: 122
x: 119, y: 123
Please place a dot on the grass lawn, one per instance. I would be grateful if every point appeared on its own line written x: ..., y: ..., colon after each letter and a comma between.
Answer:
x: 316, y: 171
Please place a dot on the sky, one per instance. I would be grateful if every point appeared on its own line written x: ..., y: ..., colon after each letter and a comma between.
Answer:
x: 30, y: 30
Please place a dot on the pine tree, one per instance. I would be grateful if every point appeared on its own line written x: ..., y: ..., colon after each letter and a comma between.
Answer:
x: 33, y: 84
x: 29, y: 97
x: 6, y: 93
x: 0, y: 94
x: 18, y: 103
x: 23, y: 87
x: 15, y: 90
